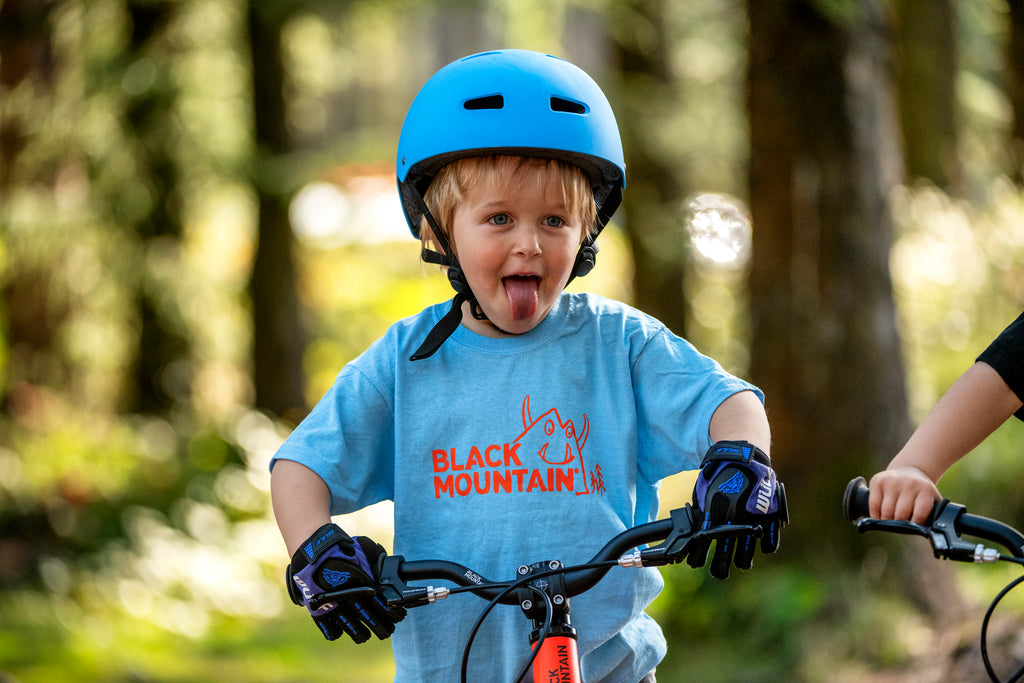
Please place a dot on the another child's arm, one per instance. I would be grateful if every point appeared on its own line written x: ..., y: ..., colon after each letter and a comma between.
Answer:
x: 977, y: 403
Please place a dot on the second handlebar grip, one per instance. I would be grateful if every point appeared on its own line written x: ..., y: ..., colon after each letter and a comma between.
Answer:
x: 855, y: 500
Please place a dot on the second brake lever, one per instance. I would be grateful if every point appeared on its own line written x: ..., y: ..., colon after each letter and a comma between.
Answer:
x: 866, y: 524
x: 942, y: 533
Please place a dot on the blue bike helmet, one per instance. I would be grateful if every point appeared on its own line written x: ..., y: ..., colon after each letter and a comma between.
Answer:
x: 514, y: 102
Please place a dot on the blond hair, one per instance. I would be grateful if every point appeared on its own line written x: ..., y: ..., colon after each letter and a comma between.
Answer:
x: 449, y: 187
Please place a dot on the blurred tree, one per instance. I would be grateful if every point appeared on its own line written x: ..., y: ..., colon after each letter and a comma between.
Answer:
x: 824, y: 157
x: 1015, y: 87
x: 27, y: 66
x: 278, y: 337
x: 926, y: 76
x: 826, y: 349
x: 26, y: 59
x: 161, y: 374
x: 640, y: 29
x: 30, y: 317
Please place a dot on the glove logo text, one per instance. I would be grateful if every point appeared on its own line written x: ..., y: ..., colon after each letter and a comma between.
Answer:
x: 764, y: 496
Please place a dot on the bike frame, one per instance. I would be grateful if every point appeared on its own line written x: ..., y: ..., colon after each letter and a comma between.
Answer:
x: 542, y: 590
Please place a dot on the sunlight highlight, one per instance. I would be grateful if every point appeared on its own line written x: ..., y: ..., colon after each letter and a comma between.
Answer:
x: 719, y: 229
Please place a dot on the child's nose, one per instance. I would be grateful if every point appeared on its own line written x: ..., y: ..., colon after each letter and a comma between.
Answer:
x: 527, y: 240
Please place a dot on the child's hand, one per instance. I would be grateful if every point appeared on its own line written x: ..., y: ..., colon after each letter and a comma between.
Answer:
x: 904, y: 493
x: 737, y: 485
x: 331, y: 560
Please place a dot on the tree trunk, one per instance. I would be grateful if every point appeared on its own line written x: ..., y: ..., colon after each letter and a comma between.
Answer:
x: 825, y: 346
x: 651, y: 206
x: 1015, y: 87
x: 29, y: 312
x: 161, y: 369
x: 278, y: 336
x: 926, y: 85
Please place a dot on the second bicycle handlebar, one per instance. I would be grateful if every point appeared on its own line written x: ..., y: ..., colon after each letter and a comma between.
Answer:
x: 944, y: 527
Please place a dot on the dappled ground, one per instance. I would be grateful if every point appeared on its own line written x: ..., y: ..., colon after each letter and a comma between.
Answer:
x: 951, y: 655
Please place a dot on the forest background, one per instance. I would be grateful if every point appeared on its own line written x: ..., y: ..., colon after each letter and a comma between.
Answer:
x: 199, y: 227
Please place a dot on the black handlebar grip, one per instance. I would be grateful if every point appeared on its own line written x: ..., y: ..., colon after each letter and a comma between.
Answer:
x: 855, y: 500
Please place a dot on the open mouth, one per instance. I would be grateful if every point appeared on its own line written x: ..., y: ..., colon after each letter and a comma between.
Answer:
x: 521, y: 291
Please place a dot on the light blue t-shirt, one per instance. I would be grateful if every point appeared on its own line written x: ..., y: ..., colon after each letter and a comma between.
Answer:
x: 503, y: 452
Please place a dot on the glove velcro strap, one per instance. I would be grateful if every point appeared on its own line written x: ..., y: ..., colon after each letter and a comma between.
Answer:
x: 316, y: 545
x: 735, y: 451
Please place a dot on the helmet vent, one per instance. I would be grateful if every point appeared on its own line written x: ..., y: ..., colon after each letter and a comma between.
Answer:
x: 567, y: 106
x: 487, y: 102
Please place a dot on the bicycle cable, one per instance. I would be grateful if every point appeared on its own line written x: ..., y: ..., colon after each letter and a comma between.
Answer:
x: 463, y: 676
x: 988, y: 616
x: 548, y: 612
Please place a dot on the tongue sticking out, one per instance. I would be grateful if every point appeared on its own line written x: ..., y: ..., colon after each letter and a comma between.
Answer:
x: 522, y: 296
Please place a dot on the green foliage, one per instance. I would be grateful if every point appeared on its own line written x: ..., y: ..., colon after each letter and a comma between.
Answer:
x: 141, y: 547
x: 45, y: 639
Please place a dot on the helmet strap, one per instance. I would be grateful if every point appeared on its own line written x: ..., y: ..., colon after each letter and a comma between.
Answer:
x: 447, y: 325
x: 444, y: 328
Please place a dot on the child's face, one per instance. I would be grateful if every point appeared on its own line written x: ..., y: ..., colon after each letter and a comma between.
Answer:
x: 517, y: 244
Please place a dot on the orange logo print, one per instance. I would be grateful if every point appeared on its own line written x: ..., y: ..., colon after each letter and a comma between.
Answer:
x: 547, y: 457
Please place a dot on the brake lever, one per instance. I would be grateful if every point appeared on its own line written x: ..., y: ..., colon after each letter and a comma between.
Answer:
x: 866, y: 524
x: 321, y: 599
x: 941, y: 533
x: 398, y: 593
x: 685, y: 534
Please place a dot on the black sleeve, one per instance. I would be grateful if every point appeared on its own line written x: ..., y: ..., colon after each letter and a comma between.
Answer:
x: 1006, y: 355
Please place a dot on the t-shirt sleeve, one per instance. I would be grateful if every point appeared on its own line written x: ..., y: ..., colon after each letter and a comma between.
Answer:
x: 678, y: 390
x: 346, y: 442
x: 1006, y: 355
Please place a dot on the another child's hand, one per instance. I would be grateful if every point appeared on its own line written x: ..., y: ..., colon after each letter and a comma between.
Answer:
x: 903, y: 493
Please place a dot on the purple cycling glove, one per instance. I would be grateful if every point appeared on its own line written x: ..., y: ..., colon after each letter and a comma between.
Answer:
x: 737, y: 485
x: 330, y: 560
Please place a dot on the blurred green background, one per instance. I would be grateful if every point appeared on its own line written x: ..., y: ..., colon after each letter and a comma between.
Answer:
x: 152, y: 150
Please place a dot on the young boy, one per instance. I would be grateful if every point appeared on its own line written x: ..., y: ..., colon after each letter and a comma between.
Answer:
x: 524, y: 423
x: 981, y: 399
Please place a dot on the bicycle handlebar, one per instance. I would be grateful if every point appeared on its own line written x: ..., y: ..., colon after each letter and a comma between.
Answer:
x: 944, y: 527
x: 680, y: 532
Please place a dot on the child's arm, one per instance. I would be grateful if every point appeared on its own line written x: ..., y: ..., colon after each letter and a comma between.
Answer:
x: 977, y: 403
x: 736, y: 484
x: 301, y: 502
x: 742, y: 417
x: 329, y: 559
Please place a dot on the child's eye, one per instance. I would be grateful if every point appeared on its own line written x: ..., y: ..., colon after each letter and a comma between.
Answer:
x: 554, y: 222
x: 500, y: 219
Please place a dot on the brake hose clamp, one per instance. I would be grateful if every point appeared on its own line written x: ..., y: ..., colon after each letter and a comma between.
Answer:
x: 632, y: 559
x: 983, y: 555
